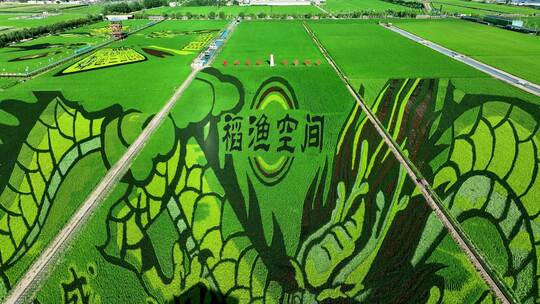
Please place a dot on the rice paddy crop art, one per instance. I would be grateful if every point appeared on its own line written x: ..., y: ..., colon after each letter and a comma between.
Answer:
x: 262, y: 193
x: 104, y: 58
x: 479, y: 152
x: 263, y: 184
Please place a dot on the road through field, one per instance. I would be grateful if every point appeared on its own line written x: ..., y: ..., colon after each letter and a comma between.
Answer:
x: 29, y: 284
x: 492, y: 71
x: 324, y: 11
x: 496, y: 285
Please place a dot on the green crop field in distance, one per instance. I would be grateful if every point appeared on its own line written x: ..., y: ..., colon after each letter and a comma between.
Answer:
x: 256, y: 40
x: 479, y: 8
x: 473, y: 138
x: 515, y: 53
x: 34, y: 8
x: 235, y: 10
x: 457, y: 10
x: 375, y: 50
x: 23, y: 17
x: 60, y: 122
x: 345, y: 6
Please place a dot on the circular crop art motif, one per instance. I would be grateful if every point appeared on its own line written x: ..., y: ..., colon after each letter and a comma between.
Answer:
x: 275, y: 98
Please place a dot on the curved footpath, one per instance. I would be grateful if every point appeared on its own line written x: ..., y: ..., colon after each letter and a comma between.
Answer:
x: 29, y: 284
x: 498, y: 288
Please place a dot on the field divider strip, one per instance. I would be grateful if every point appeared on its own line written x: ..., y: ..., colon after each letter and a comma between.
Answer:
x: 486, y: 272
x: 513, y: 80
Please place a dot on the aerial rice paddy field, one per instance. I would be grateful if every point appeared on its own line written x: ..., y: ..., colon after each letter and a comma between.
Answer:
x: 196, y: 219
x: 513, y: 52
x: 236, y: 10
x: 269, y: 184
x: 78, y: 105
x: 473, y: 138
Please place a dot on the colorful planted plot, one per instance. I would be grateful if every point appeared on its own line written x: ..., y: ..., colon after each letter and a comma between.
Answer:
x: 50, y: 143
x: 478, y: 151
x: 268, y: 184
x: 196, y: 215
x: 40, y: 52
x: 274, y: 187
x: 103, y: 58
x: 474, y: 139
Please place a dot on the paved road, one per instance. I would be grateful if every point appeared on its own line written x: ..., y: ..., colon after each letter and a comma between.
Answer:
x: 29, y: 284
x: 499, y: 74
x: 420, y: 182
x: 325, y: 11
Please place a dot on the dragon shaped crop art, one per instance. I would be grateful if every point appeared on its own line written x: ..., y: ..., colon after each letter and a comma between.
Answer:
x: 198, y: 218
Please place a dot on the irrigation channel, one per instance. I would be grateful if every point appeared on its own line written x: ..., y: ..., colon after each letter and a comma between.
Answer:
x: 29, y: 284
x: 495, y: 283
x: 492, y: 71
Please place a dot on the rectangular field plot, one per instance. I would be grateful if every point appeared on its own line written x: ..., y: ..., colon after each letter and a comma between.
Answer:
x: 345, y: 6
x: 479, y: 8
x: 62, y: 132
x: 235, y: 10
x: 208, y: 208
x: 474, y: 139
x: 33, y: 8
x: 365, y: 50
x: 256, y: 40
x: 515, y: 53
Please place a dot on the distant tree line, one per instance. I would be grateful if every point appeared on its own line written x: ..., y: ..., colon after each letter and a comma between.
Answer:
x: 411, y: 4
x: 27, y: 33
x: 374, y: 14
x: 223, y: 15
x: 129, y: 7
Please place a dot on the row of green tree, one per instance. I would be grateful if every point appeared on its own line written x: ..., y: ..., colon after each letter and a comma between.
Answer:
x: 223, y: 15
x: 411, y: 4
x: 27, y: 33
x: 129, y: 7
